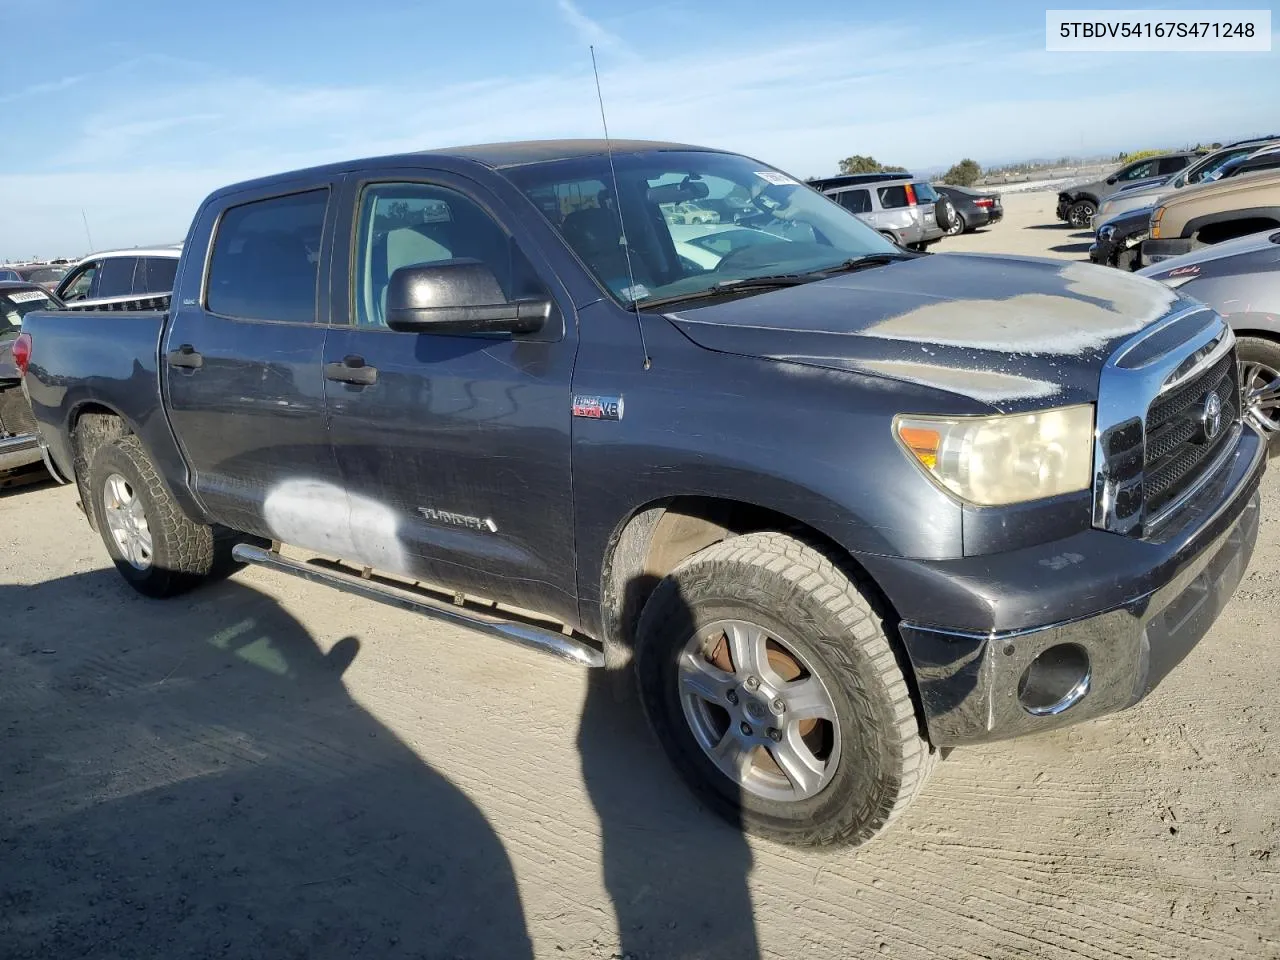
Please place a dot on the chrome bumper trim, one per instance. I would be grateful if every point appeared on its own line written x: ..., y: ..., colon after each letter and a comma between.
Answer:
x: 18, y: 452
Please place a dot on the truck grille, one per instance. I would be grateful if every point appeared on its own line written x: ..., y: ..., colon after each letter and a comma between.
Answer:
x: 15, y: 414
x: 1178, y: 446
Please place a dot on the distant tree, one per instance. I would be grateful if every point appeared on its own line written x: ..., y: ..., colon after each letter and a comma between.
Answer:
x: 963, y: 174
x: 1138, y: 155
x: 860, y: 164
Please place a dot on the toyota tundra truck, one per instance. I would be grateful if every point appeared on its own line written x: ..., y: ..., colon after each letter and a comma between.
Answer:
x: 840, y: 506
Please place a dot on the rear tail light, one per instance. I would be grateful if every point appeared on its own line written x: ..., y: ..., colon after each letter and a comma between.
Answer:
x: 22, y: 353
x: 911, y: 195
x: 984, y: 202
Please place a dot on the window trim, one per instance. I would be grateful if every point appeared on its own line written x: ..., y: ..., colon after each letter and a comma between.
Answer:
x: 329, y: 191
x: 556, y: 327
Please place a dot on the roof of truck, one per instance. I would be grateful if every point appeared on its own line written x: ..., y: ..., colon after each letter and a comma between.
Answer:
x: 496, y: 156
x: 516, y: 152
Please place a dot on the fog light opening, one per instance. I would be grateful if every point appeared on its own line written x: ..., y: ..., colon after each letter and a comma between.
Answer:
x: 1055, y: 681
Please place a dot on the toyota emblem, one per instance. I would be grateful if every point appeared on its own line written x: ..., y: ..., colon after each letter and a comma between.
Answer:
x: 1211, y: 416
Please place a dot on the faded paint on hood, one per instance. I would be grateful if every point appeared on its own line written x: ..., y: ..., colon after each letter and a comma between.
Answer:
x: 1008, y: 331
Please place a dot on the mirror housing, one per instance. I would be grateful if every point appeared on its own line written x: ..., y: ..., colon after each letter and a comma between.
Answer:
x: 458, y: 296
x: 1111, y: 179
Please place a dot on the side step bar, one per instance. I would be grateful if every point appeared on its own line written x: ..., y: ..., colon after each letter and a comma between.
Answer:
x: 526, y: 635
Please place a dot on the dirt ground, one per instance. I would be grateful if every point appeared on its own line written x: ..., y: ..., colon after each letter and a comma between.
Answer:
x: 268, y: 769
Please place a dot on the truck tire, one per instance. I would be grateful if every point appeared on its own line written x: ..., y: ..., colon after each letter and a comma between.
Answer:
x: 1080, y: 214
x: 1259, y: 366
x: 771, y: 684
x: 156, y: 548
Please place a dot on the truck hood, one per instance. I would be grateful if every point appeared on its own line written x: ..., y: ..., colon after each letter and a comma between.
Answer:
x: 1014, y: 333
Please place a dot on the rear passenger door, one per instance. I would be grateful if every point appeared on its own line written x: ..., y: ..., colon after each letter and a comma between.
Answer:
x: 154, y: 275
x: 242, y: 366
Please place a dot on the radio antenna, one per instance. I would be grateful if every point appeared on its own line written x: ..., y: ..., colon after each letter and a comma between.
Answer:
x: 617, y: 199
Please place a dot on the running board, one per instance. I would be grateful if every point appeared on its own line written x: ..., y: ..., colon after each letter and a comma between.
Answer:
x: 526, y: 635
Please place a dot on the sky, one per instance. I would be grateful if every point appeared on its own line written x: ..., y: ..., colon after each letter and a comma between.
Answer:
x: 126, y: 113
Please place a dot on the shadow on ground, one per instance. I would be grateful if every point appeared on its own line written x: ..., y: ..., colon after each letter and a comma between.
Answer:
x: 1071, y: 247
x: 190, y: 778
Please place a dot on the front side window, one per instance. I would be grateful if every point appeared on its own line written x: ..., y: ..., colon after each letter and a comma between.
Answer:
x: 1140, y: 171
x: 800, y: 230
x: 266, y: 257
x: 116, y: 277
x: 411, y: 224
x: 79, y: 285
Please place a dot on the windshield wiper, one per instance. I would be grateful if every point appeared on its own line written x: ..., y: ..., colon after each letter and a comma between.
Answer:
x: 866, y: 260
x: 729, y: 286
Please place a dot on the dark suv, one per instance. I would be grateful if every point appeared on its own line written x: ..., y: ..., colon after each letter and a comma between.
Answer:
x: 1078, y: 204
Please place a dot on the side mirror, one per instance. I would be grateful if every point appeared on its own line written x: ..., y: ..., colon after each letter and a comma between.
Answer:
x: 458, y: 296
x: 1111, y: 179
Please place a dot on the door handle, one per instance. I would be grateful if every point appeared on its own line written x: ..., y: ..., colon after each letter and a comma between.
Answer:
x: 186, y: 357
x: 352, y: 369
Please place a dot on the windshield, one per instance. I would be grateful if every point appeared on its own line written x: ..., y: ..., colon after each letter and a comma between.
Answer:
x: 46, y: 274
x: 780, y: 226
x: 16, y: 304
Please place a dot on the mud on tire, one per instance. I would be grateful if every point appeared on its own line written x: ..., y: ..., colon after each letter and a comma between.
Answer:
x: 183, y: 553
x: 814, y: 610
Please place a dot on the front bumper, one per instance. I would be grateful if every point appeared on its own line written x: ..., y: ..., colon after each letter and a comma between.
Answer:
x: 1136, y: 607
x: 1153, y: 251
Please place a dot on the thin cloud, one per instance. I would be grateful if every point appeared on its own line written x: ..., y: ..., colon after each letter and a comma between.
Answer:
x: 589, y: 31
x: 42, y: 89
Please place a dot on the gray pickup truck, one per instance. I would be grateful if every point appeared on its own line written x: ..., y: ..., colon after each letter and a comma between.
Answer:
x: 840, y: 505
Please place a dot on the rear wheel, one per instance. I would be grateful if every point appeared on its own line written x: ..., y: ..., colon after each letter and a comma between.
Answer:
x: 958, y: 226
x: 774, y: 689
x: 151, y: 542
x: 1080, y: 214
x: 1260, y: 385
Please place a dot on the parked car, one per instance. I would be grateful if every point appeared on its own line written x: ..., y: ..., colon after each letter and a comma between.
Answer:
x: 1241, y: 280
x: 135, y: 279
x: 43, y: 274
x: 1213, y: 212
x: 1077, y: 204
x: 1149, y: 195
x: 905, y: 210
x: 19, y: 439
x: 841, y: 505
x: 1118, y: 241
x: 974, y: 208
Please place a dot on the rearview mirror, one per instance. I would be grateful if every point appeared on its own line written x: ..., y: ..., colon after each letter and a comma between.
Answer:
x: 458, y: 296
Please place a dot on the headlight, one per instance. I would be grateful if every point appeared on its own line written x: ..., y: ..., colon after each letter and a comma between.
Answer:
x: 1155, y: 223
x: 1106, y: 233
x: 1010, y: 458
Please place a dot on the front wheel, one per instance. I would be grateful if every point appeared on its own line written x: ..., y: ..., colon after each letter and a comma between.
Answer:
x: 958, y: 226
x: 775, y: 691
x: 1080, y: 214
x: 156, y: 548
x: 1260, y: 386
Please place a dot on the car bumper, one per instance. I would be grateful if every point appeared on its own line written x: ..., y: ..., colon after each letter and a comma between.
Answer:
x: 18, y: 452
x: 1146, y: 603
x: 1153, y: 251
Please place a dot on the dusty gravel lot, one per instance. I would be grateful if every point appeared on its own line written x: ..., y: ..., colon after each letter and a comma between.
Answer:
x: 268, y: 769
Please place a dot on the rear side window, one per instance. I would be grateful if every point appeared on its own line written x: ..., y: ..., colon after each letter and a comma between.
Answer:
x: 116, y: 277
x: 265, y: 259
x: 1173, y: 164
x: 155, y: 275
x: 924, y: 193
x: 855, y: 201
x: 893, y: 197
